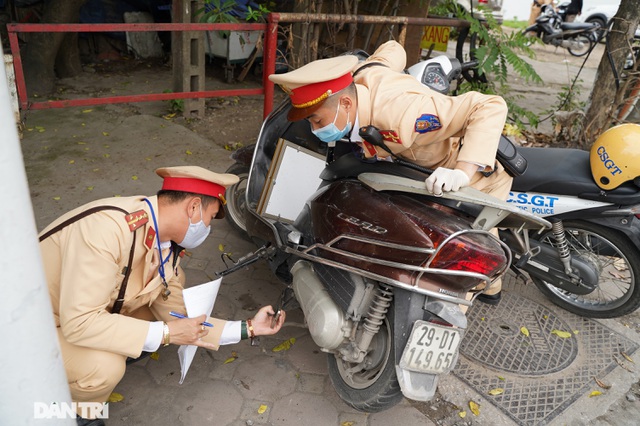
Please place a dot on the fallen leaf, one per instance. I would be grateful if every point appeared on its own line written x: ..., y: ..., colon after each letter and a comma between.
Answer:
x: 89, y: 188
x: 496, y: 391
x: 501, y: 378
x: 188, y: 152
x: 621, y: 364
x: 155, y: 356
x: 221, y: 247
x: 482, y: 319
x: 40, y: 129
x: 134, y: 177
x: 545, y: 316
x: 169, y: 116
x: 105, y: 133
x: 115, y: 397
x: 475, y: 408
x: 86, y: 111
x: 627, y: 357
x: 262, y: 409
x: 524, y: 330
x: 72, y: 161
x: 620, y: 264
x: 462, y: 414
x: 106, y: 155
x: 284, y: 346
x: 562, y: 334
x: 347, y: 423
x: 233, y: 357
x: 595, y: 393
x: 81, y: 143
x: 56, y: 198
x: 601, y: 383
x: 576, y: 331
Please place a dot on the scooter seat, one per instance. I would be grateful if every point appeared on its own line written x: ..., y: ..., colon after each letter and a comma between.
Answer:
x: 577, y: 26
x: 350, y: 166
x: 565, y: 171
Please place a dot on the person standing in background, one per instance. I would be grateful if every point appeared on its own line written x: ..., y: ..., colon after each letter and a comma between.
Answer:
x: 536, y: 8
x: 574, y: 9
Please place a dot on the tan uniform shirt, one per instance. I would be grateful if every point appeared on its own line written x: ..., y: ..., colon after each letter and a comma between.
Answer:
x: 427, y: 127
x: 84, y: 265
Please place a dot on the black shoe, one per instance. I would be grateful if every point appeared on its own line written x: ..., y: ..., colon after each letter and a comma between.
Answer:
x: 490, y: 299
x: 81, y: 421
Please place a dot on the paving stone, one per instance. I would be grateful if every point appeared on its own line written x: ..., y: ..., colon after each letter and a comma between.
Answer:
x: 303, y: 409
x: 311, y: 383
x: 400, y: 415
x: 250, y: 411
x: 249, y: 379
x: 307, y: 357
x: 208, y: 402
x: 356, y: 419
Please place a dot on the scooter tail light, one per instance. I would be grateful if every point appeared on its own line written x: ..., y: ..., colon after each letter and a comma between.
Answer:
x: 459, y: 256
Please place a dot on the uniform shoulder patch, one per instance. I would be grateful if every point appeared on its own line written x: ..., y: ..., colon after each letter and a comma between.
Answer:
x: 370, y: 149
x: 427, y: 123
x: 148, y: 239
x: 390, y: 136
x: 136, y: 219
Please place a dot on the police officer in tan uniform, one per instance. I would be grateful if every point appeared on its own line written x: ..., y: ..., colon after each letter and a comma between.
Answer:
x: 91, y: 253
x: 455, y: 135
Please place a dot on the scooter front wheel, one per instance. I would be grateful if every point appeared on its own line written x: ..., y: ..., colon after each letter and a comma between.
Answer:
x: 370, y: 386
x: 617, y: 262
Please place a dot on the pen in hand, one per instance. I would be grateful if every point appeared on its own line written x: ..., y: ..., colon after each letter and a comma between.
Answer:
x: 178, y: 315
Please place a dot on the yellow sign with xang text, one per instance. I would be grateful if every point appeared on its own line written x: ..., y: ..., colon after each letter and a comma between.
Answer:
x: 436, y: 36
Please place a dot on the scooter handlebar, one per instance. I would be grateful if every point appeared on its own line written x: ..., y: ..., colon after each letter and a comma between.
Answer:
x: 469, y: 65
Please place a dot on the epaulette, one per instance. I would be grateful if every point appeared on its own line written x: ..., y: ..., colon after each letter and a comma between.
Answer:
x: 136, y: 219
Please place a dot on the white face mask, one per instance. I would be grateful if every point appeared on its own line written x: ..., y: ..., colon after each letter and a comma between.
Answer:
x: 196, y: 234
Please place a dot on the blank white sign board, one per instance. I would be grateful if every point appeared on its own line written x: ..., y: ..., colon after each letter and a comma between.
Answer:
x: 295, y: 177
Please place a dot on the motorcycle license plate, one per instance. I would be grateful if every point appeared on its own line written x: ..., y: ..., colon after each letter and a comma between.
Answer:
x: 431, y: 348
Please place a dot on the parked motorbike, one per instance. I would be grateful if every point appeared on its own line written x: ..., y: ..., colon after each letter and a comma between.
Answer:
x: 577, y: 37
x: 380, y: 267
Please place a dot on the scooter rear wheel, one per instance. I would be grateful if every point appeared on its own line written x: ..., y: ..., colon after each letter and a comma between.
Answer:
x: 372, y: 385
x: 235, y: 208
x: 581, y: 45
x: 618, y: 264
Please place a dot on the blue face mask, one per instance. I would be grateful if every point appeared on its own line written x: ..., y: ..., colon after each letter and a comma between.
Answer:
x: 330, y: 132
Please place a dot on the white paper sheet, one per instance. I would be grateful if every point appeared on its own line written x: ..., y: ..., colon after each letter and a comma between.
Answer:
x: 198, y: 300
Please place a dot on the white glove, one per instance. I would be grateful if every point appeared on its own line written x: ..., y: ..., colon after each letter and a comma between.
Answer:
x: 443, y: 179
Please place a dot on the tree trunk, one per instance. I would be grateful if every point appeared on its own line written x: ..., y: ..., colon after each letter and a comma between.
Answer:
x: 602, y: 105
x: 40, y: 53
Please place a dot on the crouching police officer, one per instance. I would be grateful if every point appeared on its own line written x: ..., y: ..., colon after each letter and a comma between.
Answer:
x: 457, y: 136
x: 114, y: 276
